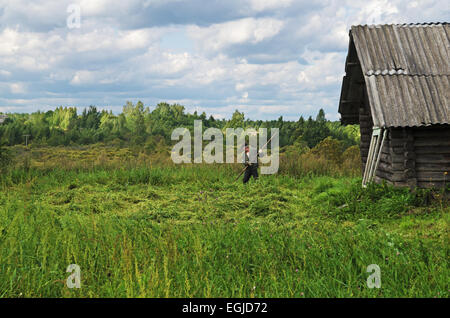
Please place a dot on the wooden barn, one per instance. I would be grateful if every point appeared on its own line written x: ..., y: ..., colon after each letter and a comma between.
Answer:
x: 396, y: 88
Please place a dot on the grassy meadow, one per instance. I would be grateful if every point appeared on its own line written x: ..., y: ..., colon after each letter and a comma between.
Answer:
x: 140, y: 227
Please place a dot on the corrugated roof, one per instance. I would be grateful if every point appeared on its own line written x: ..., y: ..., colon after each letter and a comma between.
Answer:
x: 406, y: 69
x: 2, y: 118
x: 408, y: 100
x: 414, y: 49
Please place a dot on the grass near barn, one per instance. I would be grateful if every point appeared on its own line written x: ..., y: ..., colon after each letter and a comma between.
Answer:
x: 191, y: 231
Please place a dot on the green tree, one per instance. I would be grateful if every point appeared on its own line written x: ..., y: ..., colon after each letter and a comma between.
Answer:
x: 90, y: 118
x: 69, y: 118
x: 237, y: 120
x: 135, y: 121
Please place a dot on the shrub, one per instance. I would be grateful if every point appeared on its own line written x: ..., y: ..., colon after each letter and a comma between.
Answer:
x: 326, y: 158
x: 351, y: 161
x: 330, y: 149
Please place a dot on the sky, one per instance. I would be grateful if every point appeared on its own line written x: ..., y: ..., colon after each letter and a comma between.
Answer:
x: 266, y: 58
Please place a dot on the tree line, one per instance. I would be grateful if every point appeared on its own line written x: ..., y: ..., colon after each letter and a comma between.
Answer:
x: 138, y: 125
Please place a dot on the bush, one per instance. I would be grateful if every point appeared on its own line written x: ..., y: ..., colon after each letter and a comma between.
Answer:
x: 376, y: 202
x: 352, y: 161
x: 329, y: 148
x: 327, y: 158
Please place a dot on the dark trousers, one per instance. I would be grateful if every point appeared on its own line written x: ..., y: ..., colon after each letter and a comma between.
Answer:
x: 250, y: 171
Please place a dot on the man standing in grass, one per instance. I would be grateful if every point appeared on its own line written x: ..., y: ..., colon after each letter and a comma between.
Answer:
x: 251, y: 165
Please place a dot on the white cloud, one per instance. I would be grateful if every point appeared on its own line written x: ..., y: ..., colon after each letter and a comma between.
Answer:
x: 82, y: 78
x: 266, y: 58
x: 302, y: 78
x: 261, y: 5
x: 10, y: 42
x: 25, y: 50
x: 96, y: 7
x: 17, y: 88
x: 5, y: 73
x: 376, y: 11
x: 324, y: 69
x: 108, y: 38
x: 249, y: 30
x: 332, y: 116
x: 169, y: 63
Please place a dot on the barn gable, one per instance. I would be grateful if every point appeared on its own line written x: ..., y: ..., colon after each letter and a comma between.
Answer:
x: 397, y: 88
x: 405, y: 70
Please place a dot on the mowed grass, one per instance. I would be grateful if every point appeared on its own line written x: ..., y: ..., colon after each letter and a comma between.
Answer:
x: 192, y: 231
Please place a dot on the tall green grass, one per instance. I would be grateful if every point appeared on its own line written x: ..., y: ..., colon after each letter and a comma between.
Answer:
x: 191, y: 231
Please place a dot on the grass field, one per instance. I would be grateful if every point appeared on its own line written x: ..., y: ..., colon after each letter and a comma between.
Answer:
x: 193, y: 232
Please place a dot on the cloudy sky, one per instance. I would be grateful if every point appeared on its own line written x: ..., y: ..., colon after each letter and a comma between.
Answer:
x: 264, y: 57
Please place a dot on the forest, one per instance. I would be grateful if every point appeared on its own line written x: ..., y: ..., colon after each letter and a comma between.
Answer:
x: 139, y: 125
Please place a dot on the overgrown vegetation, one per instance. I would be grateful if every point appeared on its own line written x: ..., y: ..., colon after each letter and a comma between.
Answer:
x: 100, y: 191
x: 191, y: 231
x: 328, y: 157
x: 5, y: 158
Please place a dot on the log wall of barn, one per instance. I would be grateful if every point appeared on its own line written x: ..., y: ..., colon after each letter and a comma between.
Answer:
x: 432, y: 151
x: 397, y: 161
x: 416, y: 156
x: 384, y: 171
x: 411, y: 156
